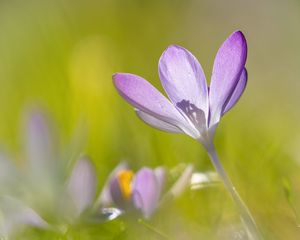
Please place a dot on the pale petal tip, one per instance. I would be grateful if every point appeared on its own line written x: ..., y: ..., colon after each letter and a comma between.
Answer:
x: 145, y: 170
x: 116, y: 78
x: 119, y: 81
x: 116, y: 75
x: 173, y: 49
x: 121, y: 78
x: 238, y: 36
x: 174, y: 46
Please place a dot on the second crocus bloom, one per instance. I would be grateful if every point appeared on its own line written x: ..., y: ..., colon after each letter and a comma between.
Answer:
x: 140, y: 191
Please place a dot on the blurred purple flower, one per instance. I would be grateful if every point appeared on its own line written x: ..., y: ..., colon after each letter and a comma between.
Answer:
x: 23, y: 187
x: 195, y: 108
x: 70, y: 198
x: 43, y: 182
x: 142, y: 191
x: 17, y: 215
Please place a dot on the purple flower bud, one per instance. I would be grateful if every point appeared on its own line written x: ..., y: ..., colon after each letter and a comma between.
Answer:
x: 140, y: 191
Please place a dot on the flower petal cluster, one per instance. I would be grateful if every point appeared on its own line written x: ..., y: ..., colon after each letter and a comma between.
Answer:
x: 193, y: 107
x: 44, y: 183
x: 141, y: 191
x: 42, y: 186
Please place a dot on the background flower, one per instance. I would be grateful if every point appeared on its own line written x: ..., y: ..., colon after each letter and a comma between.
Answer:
x: 144, y: 190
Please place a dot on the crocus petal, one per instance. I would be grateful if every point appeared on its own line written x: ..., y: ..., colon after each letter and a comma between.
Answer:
x: 39, y: 144
x: 238, y: 91
x: 145, y: 191
x: 105, y: 198
x: 116, y: 193
x: 82, y: 185
x: 229, y: 63
x: 142, y: 95
x: 156, y: 123
x: 18, y: 215
x: 183, y: 78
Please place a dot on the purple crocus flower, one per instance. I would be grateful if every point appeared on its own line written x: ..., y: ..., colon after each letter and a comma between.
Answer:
x: 194, y: 108
x: 139, y: 191
x: 142, y: 191
x: 43, y: 180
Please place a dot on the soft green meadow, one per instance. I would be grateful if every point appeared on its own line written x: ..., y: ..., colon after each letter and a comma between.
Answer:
x: 60, y: 55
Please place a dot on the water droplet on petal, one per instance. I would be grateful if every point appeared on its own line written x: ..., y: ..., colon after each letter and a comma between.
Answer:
x: 106, y: 214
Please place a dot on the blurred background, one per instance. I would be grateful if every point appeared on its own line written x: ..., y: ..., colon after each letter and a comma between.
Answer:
x: 59, y: 55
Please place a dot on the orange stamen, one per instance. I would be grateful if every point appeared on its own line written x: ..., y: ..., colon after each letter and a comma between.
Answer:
x: 125, y: 179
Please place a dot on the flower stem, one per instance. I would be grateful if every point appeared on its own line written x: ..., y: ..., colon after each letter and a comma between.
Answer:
x: 246, y: 217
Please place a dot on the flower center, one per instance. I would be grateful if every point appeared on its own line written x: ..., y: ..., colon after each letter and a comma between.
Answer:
x: 194, y: 114
x: 125, y: 182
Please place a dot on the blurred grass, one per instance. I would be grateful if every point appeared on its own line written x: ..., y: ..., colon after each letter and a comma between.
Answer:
x: 60, y: 54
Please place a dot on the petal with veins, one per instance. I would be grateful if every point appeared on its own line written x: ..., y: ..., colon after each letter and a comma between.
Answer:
x: 156, y: 123
x: 238, y: 91
x: 183, y: 78
x: 228, y: 66
x: 142, y: 95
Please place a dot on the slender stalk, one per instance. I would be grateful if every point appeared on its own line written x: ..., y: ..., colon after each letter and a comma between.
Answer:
x: 246, y: 217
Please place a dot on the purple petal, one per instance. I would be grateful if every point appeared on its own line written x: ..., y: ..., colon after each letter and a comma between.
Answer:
x: 82, y: 185
x: 142, y: 95
x: 145, y: 191
x: 183, y: 78
x: 39, y: 144
x: 18, y: 215
x: 228, y: 66
x: 28, y: 216
x: 105, y: 198
x: 238, y: 91
x: 156, y: 123
x: 116, y: 193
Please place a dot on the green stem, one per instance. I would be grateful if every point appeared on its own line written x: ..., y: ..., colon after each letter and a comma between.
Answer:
x: 246, y: 217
